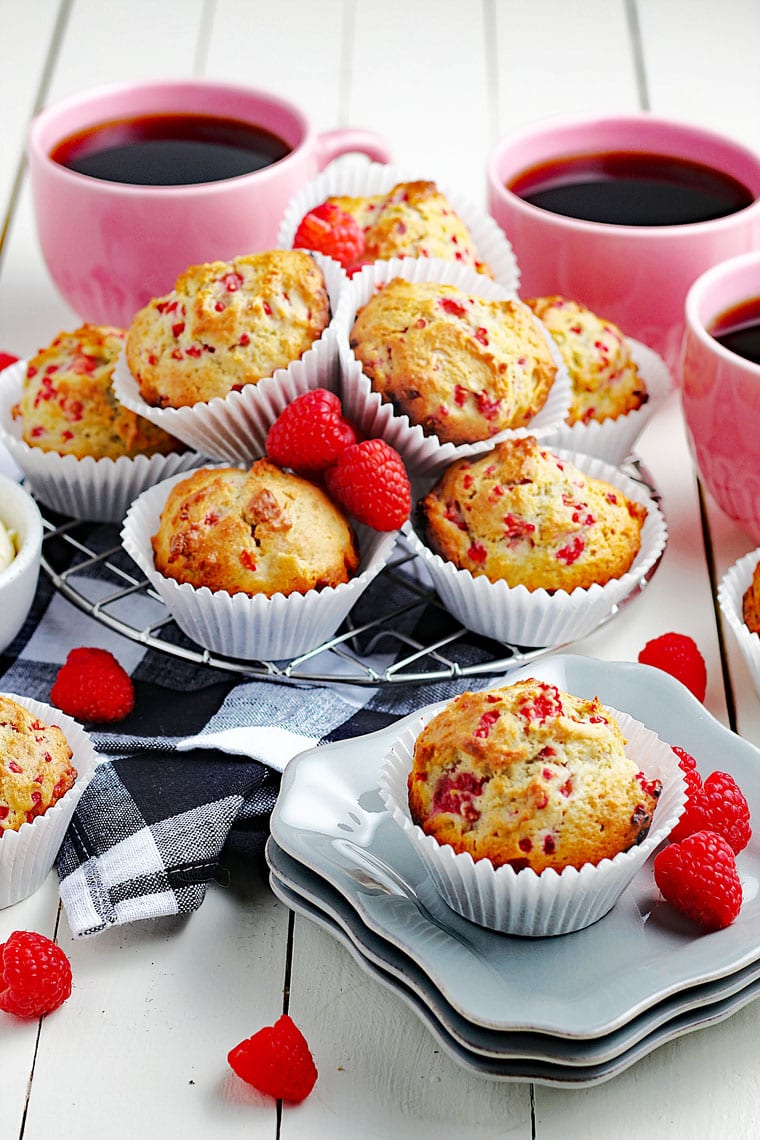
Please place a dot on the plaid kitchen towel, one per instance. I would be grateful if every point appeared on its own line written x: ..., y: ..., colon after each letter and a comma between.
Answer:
x: 191, y: 775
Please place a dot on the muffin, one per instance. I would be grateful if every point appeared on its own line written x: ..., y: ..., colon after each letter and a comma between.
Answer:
x: 68, y: 405
x: 460, y: 366
x: 262, y: 531
x: 36, y: 771
x: 412, y: 219
x: 530, y: 776
x: 524, y: 516
x: 751, y: 602
x: 605, y: 380
x: 226, y: 325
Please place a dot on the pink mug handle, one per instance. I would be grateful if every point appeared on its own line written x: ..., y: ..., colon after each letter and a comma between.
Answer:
x: 349, y: 140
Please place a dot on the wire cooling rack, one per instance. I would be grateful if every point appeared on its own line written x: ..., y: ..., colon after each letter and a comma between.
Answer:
x: 378, y: 644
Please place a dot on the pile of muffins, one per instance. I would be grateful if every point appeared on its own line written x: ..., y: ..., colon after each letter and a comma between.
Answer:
x: 510, y: 415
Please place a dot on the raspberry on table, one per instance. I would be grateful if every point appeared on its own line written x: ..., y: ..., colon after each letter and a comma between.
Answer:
x: 6, y: 359
x: 310, y: 433
x: 277, y: 1061
x: 717, y: 805
x: 92, y: 686
x: 369, y: 481
x: 699, y: 878
x: 330, y: 230
x: 35, y: 974
x: 679, y: 655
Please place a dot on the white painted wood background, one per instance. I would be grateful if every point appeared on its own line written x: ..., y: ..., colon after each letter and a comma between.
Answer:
x: 140, y: 1048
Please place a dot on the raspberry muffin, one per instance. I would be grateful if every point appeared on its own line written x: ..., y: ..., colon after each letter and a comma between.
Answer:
x: 524, y: 516
x: 530, y: 776
x: 36, y: 770
x: 226, y: 325
x: 751, y: 602
x: 461, y: 367
x: 68, y: 405
x: 262, y: 531
x: 605, y: 380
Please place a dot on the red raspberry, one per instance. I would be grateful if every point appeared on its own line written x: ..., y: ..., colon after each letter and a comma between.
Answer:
x: 688, y: 766
x: 35, y: 975
x: 370, y: 481
x: 331, y: 231
x: 677, y: 654
x: 92, y: 686
x: 718, y: 805
x: 6, y: 359
x: 699, y: 878
x: 310, y: 433
x: 276, y: 1061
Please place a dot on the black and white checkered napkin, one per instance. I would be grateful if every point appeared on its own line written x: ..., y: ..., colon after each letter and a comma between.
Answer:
x: 192, y: 775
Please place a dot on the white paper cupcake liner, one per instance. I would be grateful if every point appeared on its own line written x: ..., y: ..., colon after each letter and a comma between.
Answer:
x: 368, y: 179
x: 374, y: 417
x: 524, y: 902
x: 251, y: 628
x: 87, y: 488
x: 233, y: 428
x: 27, y: 855
x: 613, y: 440
x: 518, y: 616
x: 731, y: 590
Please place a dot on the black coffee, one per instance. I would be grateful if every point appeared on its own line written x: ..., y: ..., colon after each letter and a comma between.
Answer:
x: 738, y: 329
x: 170, y: 150
x: 632, y: 188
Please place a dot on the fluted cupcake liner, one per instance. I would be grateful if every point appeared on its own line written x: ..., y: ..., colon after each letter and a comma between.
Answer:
x: 523, y: 617
x: 368, y: 179
x: 27, y: 855
x: 375, y: 417
x: 233, y: 428
x: 88, y: 488
x: 524, y: 902
x: 247, y: 627
x: 613, y: 440
x: 731, y: 589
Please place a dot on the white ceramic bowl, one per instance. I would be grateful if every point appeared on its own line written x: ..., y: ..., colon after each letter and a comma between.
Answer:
x: 20, y: 514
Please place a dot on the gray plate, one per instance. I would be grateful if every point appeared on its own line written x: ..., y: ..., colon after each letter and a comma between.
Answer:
x: 330, y: 818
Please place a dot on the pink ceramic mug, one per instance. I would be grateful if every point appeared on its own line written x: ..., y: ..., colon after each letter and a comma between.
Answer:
x: 635, y: 275
x: 721, y: 392
x: 111, y: 246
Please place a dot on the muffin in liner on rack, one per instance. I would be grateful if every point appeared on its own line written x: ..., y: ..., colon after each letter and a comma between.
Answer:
x: 241, y: 334
x: 405, y: 214
x: 550, y: 546
x: 85, y: 486
x: 450, y: 347
x: 739, y: 601
x: 531, y: 809
x: 253, y: 626
x: 35, y: 816
x: 617, y: 383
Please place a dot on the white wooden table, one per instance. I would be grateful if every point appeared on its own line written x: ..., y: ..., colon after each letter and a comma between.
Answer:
x: 140, y: 1049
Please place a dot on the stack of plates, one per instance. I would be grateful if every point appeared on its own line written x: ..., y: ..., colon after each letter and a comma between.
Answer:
x: 572, y: 1010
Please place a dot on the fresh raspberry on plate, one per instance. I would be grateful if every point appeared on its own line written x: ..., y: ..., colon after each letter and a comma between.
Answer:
x: 330, y: 230
x: 699, y: 878
x: 718, y: 805
x: 369, y: 480
x: 277, y: 1061
x: 310, y: 433
x: 91, y: 685
x: 6, y: 359
x: 35, y: 974
x: 679, y: 655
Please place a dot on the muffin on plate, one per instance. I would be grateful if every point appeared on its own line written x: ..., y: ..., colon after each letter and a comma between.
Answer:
x: 261, y: 531
x: 527, y: 517
x: 226, y: 325
x: 68, y: 405
x: 36, y: 770
x: 605, y: 380
x: 461, y: 366
x: 751, y: 602
x: 530, y: 776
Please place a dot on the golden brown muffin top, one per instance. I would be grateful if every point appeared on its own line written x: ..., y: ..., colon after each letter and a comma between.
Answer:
x: 35, y: 765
